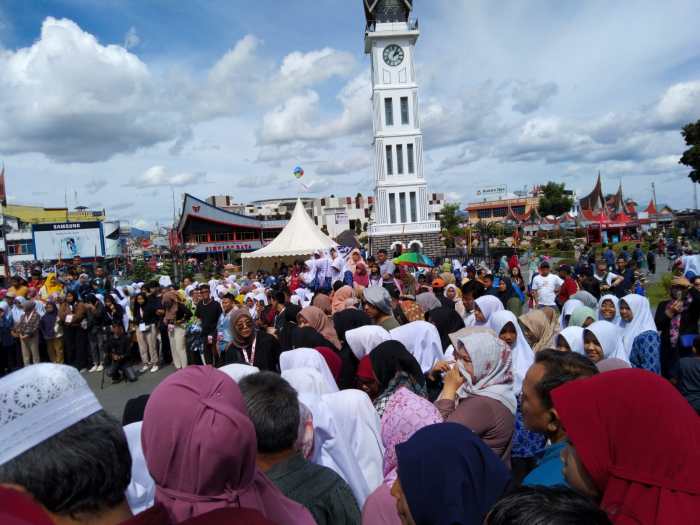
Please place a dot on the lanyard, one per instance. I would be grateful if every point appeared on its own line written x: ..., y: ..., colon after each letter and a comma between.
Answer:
x: 252, y: 353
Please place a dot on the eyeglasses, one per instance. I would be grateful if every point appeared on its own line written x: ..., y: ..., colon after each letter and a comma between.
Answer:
x: 246, y: 323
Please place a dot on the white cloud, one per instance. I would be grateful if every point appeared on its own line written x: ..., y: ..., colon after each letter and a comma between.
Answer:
x: 300, y: 117
x: 131, y: 39
x: 157, y: 176
x: 343, y: 166
x: 120, y: 206
x: 679, y: 105
x: 50, y: 105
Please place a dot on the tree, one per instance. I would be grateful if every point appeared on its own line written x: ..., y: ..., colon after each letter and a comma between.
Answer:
x: 140, y: 271
x: 449, y: 219
x: 691, y: 156
x: 554, y: 201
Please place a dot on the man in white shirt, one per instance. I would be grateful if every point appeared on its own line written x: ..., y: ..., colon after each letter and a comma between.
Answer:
x: 337, y: 266
x: 545, y: 286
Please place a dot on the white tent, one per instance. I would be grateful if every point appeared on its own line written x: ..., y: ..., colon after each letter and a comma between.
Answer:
x: 299, y: 237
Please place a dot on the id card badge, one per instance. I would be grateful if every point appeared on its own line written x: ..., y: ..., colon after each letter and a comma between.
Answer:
x: 142, y: 327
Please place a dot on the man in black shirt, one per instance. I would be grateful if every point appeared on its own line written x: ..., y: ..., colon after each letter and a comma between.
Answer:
x: 118, y: 345
x: 208, y: 312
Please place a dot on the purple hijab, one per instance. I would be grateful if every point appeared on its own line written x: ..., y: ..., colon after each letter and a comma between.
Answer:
x: 200, y: 448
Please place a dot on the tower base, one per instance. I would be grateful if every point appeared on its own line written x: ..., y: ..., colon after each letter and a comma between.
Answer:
x: 432, y: 245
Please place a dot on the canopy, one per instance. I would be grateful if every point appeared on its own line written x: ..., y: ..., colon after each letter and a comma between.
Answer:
x: 414, y: 259
x: 299, y: 237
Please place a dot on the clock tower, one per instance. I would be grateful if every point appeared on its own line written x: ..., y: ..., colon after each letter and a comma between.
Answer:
x: 401, y: 199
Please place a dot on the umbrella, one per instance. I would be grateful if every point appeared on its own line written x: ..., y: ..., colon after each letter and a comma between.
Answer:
x: 414, y: 259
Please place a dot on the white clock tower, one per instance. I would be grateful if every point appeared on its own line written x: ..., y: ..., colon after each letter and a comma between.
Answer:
x: 400, y: 191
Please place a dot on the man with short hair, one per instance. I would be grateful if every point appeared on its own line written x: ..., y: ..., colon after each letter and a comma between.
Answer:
x: 386, y: 266
x: 208, y: 312
x: 545, y: 286
x: 224, y: 336
x: 609, y: 256
x: 568, y: 287
x: 551, y: 369
x: 607, y: 279
x: 627, y: 274
x: 117, y: 348
x: 273, y: 408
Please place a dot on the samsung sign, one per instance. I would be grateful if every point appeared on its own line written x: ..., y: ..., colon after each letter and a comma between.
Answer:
x: 66, y: 240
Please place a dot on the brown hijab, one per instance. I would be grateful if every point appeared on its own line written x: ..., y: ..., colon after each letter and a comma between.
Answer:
x: 320, y: 322
x: 238, y: 340
x: 543, y: 324
x: 323, y: 302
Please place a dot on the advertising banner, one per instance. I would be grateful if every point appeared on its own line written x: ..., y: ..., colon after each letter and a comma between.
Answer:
x: 66, y: 240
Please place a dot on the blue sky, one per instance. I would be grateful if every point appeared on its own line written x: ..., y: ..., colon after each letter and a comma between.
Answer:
x: 125, y: 102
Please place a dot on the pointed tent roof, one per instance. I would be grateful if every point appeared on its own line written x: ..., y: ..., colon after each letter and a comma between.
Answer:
x: 595, y: 200
x: 618, y: 203
x: 300, y: 236
x: 651, y: 209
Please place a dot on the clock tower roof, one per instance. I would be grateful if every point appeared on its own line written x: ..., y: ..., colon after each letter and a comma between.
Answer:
x: 387, y: 10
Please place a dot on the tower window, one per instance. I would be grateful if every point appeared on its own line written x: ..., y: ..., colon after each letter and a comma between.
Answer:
x: 389, y: 161
x: 409, y: 158
x: 402, y: 206
x: 399, y: 159
x: 388, y: 111
x: 404, y: 111
x: 392, y: 208
x: 414, y: 207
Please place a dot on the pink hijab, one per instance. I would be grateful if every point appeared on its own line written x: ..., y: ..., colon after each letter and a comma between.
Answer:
x: 200, y: 448
x: 341, y: 297
x: 404, y: 415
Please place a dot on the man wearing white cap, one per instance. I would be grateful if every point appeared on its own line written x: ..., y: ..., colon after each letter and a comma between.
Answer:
x: 61, y: 447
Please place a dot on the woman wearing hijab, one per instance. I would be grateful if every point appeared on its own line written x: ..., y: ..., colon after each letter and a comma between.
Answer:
x: 582, y: 316
x: 570, y: 339
x: 308, y: 358
x: 422, y: 340
x: 635, y: 452
x: 405, y: 414
x: 567, y: 310
x: 360, y: 277
x: 52, y: 333
x: 353, y: 260
x: 484, y: 307
x: 250, y: 346
x: 539, y: 327
x: 508, y: 295
x: 358, y: 420
x: 478, y: 391
x: 389, y: 367
x: 322, y: 302
x: 447, y: 475
x: 200, y: 448
x: 447, y: 321
x: 343, y: 298
x: 608, y: 309
x: 344, y: 321
x: 454, y: 294
x: 603, y: 340
x: 28, y: 331
x: 52, y: 287
x: 365, y: 339
x: 639, y: 336
x: 71, y: 315
x: 315, y: 318
x: 587, y: 298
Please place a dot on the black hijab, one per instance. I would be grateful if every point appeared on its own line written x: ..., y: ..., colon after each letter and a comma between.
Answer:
x: 349, y: 319
x: 307, y: 337
x: 506, y: 295
x: 447, y: 321
x: 391, y: 357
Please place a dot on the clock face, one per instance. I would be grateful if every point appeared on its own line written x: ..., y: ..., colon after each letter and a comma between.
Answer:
x: 393, y: 55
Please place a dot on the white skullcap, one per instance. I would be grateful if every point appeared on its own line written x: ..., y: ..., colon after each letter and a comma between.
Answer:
x: 38, y: 402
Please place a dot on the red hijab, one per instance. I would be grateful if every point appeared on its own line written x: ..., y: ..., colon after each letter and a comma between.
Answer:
x: 333, y: 360
x: 639, y: 440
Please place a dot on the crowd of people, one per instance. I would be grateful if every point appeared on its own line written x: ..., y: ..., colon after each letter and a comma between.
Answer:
x: 348, y: 390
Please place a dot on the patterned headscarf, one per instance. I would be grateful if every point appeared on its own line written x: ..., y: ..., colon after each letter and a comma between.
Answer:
x: 493, y: 376
x: 404, y: 415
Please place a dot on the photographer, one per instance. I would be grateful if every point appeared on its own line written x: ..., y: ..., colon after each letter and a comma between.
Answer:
x: 676, y: 317
x: 117, y: 347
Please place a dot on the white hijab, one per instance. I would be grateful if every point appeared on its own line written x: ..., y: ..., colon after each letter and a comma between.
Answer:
x: 307, y: 381
x: 141, y: 492
x: 567, y: 310
x: 522, y: 355
x: 364, y: 339
x: 238, y: 371
x: 609, y: 337
x: 422, y: 340
x: 643, y: 320
x: 488, y: 304
x: 493, y: 374
x: 332, y: 447
x: 616, y: 302
x: 573, y: 335
x: 308, y: 358
x: 358, y: 420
